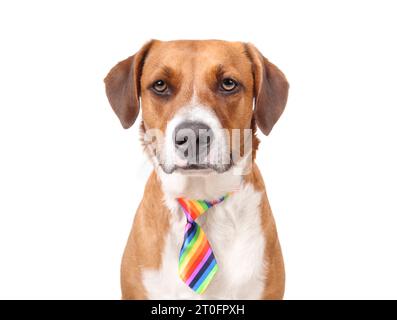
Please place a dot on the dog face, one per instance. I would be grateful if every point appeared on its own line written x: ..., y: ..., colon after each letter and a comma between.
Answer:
x: 196, y: 95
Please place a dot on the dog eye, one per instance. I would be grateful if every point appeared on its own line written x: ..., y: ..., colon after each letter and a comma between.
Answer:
x: 228, y: 84
x: 160, y: 86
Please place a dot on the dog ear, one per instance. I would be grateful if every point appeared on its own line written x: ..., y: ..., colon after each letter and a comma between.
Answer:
x: 271, y: 90
x: 123, y: 86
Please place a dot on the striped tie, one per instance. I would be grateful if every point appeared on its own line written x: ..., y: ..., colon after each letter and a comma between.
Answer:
x: 197, y: 264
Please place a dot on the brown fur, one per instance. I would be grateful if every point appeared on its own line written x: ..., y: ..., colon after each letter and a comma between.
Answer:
x: 275, y: 276
x: 146, y: 241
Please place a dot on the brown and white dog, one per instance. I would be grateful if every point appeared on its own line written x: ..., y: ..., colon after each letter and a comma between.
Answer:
x: 207, y: 85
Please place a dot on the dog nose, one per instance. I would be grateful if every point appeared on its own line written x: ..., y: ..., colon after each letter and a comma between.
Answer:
x: 192, y: 141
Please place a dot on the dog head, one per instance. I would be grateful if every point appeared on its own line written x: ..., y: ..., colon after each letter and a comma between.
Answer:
x: 197, y: 97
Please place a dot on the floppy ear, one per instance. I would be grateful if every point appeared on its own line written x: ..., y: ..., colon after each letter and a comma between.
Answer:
x: 123, y: 86
x: 271, y: 90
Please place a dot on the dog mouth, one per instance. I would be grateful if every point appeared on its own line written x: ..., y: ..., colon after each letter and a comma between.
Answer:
x: 198, y: 168
x: 195, y: 167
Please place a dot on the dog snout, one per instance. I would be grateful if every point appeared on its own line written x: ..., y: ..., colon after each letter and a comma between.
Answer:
x: 192, y: 141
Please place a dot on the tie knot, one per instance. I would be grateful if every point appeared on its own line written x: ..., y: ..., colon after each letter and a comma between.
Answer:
x: 195, y: 208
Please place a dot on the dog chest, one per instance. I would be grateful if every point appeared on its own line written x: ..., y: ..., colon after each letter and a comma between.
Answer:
x: 235, y: 233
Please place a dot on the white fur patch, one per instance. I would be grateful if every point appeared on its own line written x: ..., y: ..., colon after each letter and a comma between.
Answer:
x: 236, y: 236
x: 195, y: 112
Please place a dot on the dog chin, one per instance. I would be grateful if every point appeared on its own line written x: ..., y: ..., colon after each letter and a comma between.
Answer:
x: 200, y: 171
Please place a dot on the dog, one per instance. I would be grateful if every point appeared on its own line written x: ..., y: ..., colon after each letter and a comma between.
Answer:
x: 215, y: 87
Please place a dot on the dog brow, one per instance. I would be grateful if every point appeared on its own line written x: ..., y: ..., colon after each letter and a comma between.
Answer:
x: 219, y: 71
x: 168, y: 72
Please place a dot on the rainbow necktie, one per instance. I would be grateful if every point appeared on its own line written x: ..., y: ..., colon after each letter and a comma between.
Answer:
x: 197, y: 264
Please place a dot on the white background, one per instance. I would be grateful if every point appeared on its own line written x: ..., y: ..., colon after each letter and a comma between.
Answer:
x: 71, y: 177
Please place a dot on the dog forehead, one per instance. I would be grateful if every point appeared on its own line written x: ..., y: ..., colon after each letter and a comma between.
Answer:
x: 197, y: 54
